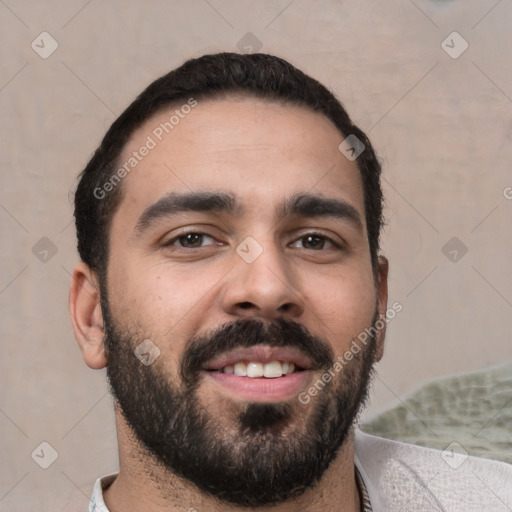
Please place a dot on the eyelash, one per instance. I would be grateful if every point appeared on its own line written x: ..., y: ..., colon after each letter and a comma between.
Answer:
x: 172, y: 241
x: 336, y: 245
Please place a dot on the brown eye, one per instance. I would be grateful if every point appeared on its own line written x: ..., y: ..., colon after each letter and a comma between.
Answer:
x: 192, y: 240
x: 314, y: 242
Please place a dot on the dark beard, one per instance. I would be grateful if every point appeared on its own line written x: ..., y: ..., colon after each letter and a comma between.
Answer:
x: 274, y: 452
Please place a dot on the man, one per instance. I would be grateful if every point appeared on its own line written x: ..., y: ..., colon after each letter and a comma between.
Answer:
x: 231, y: 283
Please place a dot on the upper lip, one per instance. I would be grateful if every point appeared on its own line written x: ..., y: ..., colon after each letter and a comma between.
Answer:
x: 262, y: 354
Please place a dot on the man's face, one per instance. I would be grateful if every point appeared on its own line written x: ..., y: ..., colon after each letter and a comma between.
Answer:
x: 240, y: 247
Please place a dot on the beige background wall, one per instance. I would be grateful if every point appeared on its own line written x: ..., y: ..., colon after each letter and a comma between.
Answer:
x: 442, y: 125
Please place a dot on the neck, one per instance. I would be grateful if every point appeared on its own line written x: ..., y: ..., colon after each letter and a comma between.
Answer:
x: 144, y: 485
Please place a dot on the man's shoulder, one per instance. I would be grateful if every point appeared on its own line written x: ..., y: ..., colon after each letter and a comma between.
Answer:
x: 402, y: 476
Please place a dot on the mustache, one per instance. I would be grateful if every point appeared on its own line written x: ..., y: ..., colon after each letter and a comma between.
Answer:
x: 246, y: 333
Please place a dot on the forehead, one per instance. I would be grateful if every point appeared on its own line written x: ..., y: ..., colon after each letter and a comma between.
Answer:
x: 258, y: 150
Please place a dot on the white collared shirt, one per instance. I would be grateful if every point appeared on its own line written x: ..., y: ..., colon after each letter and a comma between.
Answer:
x: 398, y: 476
x: 96, y: 503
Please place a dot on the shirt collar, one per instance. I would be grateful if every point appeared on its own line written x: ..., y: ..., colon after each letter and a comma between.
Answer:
x: 96, y: 503
x: 366, y: 506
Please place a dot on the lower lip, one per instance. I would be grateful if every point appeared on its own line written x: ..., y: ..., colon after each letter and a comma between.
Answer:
x: 261, y: 389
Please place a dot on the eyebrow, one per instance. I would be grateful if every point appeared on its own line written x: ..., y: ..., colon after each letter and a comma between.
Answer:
x: 192, y: 201
x: 303, y: 205
x: 312, y: 205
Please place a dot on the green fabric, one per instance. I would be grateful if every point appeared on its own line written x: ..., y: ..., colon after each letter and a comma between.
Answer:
x: 472, y: 410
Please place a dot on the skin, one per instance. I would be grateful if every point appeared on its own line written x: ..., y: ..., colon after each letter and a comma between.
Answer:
x: 262, y: 153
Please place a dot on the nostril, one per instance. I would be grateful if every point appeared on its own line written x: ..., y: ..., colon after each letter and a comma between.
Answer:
x: 245, y: 305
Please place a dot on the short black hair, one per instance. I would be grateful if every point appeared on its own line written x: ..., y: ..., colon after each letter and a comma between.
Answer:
x: 209, y: 77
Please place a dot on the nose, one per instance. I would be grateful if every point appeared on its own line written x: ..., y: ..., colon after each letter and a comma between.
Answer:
x: 264, y: 288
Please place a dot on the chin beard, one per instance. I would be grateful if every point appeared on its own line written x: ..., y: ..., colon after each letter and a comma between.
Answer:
x: 264, y: 453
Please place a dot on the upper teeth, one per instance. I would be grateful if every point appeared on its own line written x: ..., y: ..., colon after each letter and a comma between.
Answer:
x: 256, y: 369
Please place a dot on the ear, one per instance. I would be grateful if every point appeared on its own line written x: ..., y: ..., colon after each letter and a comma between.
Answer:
x: 86, y: 316
x: 382, y: 304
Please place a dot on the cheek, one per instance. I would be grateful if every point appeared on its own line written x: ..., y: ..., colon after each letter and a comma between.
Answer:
x: 163, y: 302
x: 344, y: 307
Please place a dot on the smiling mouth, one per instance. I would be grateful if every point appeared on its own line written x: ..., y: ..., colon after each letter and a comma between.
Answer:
x: 261, y: 373
x: 261, y: 361
x: 257, y: 369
